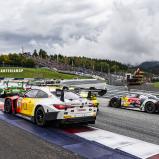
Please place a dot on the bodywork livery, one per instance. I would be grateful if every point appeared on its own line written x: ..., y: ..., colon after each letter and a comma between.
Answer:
x: 85, y: 94
x: 145, y: 102
x: 41, y: 105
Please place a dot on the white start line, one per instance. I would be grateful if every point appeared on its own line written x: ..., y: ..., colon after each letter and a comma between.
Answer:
x: 129, y: 145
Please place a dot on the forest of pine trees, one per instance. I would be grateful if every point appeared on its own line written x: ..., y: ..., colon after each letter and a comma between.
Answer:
x: 102, y: 65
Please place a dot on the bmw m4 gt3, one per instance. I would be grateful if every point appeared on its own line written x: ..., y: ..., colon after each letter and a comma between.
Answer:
x: 41, y: 105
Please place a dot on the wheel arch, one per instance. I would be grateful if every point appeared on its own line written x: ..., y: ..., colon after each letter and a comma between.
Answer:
x: 13, y: 101
x: 154, y: 103
x: 39, y: 105
x: 146, y: 101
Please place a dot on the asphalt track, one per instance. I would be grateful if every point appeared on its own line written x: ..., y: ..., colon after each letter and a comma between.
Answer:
x: 19, y: 144
x: 132, y: 123
x: 16, y: 143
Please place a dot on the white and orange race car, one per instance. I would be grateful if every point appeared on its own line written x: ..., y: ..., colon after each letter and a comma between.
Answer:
x: 42, y: 105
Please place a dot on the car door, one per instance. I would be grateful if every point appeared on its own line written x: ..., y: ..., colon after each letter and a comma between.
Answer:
x: 28, y: 102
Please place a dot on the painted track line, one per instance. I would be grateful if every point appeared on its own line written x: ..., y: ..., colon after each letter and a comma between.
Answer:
x: 72, y: 142
x: 129, y: 145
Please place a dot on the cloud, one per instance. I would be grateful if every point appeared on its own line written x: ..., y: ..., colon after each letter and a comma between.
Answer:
x: 121, y: 30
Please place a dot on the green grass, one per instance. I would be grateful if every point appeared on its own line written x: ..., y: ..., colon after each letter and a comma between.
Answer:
x: 156, y: 84
x: 37, y: 73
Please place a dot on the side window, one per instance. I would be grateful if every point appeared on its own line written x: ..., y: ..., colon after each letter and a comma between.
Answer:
x: 31, y: 94
x: 41, y: 94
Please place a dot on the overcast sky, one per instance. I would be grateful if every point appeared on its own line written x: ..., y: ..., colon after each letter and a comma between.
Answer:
x: 123, y: 30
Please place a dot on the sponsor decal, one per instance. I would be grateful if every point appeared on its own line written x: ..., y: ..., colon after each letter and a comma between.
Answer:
x: 13, y: 70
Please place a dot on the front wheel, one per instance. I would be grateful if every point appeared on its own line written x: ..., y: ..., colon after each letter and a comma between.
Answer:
x: 40, y: 116
x: 8, y: 106
x: 150, y: 107
x: 115, y: 102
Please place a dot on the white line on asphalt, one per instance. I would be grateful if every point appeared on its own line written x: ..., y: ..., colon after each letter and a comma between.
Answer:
x: 132, y: 146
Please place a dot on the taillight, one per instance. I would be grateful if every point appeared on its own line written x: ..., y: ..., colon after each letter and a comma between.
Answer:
x: 62, y: 107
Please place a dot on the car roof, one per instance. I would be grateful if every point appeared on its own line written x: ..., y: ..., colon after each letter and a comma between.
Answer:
x: 45, y: 89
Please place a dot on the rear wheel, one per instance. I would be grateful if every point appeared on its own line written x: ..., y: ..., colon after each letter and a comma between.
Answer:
x: 150, y: 107
x: 40, y: 116
x: 65, y: 88
x: 8, y: 106
x: 115, y: 102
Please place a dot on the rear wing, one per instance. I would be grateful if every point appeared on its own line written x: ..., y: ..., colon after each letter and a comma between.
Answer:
x: 99, y: 92
x: 60, y: 93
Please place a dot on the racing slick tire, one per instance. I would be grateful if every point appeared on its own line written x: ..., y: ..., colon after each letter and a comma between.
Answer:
x: 115, y: 102
x: 40, y: 117
x: 65, y: 88
x: 8, y: 106
x: 150, y: 107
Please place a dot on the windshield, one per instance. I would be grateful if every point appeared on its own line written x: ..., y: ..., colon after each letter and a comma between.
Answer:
x: 152, y: 97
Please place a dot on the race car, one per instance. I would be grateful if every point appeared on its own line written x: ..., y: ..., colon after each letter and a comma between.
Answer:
x: 145, y: 102
x: 9, y: 88
x: 91, y: 96
x: 41, y: 105
x: 58, y: 85
x: 98, y: 92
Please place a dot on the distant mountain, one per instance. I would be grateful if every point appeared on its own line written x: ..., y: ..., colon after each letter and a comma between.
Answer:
x: 150, y: 66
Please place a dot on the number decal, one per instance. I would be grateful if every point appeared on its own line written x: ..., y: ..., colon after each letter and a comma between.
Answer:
x: 24, y: 105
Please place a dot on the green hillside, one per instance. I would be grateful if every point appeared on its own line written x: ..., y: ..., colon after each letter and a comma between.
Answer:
x: 35, y: 73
